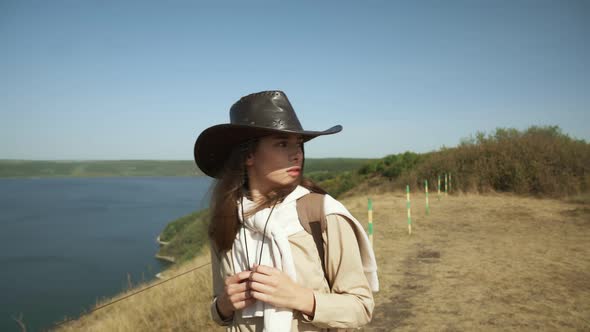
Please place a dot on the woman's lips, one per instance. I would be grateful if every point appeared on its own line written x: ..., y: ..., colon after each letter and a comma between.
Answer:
x: 294, y: 171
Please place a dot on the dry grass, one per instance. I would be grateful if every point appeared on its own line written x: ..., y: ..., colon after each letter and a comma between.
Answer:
x: 177, y: 305
x: 481, y: 262
x: 477, y: 262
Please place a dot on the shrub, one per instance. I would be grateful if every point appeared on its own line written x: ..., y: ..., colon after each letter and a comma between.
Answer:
x: 538, y: 160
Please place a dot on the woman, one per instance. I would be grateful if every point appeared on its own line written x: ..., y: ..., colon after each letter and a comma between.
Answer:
x: 267, y: 272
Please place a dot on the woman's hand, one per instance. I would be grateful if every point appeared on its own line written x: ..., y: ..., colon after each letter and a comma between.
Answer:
x: 236, y: 294
x: 273, y: 286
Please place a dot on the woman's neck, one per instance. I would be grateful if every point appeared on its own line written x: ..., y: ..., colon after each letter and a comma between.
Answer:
x: 256, y: 195
x: 260, y: 195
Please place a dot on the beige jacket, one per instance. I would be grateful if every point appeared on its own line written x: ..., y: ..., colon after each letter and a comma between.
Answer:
x: 349, y: 304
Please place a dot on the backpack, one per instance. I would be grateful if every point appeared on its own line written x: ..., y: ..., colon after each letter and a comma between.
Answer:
x: 310, y: 210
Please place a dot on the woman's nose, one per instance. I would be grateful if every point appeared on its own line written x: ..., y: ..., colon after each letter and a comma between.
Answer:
x: 296, y: 152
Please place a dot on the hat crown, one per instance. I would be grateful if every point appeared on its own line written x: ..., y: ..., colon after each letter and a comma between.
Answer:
x: 266, y: 109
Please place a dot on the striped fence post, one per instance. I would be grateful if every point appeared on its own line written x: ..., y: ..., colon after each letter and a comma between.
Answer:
x: 450, y: 182
x: 438, y: 187
x: 426, y: 191
x: 408, y: 207
x: 370, y: 212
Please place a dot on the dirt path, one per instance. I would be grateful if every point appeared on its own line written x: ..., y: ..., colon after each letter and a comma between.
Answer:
x: 494, y: 262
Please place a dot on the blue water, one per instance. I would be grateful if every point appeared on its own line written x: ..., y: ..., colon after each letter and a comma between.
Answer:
x: 66, y: 243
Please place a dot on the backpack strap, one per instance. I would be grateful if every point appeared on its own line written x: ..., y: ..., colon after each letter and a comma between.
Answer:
x: 310, y: 209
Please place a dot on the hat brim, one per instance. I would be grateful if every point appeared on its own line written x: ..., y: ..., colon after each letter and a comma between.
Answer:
x: 214, y: 144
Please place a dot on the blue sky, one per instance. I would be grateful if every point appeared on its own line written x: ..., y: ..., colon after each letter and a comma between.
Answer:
x: 141, y: 79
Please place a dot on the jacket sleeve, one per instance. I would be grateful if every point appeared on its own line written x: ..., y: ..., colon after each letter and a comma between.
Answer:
x: 350, y: 304
x: 218, y: 288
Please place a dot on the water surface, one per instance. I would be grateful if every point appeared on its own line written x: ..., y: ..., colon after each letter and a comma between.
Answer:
x: 64, y: 243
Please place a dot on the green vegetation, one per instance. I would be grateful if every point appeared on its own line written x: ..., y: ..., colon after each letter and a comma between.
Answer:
x: 337, y: 184
x: 330, y: 165
x: 333, y: 174
x: 538, y: 161
x: 186, y: 236
x: 393, y: 165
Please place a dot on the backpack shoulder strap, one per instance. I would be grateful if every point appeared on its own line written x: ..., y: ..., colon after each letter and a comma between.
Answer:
x: 310, y: 209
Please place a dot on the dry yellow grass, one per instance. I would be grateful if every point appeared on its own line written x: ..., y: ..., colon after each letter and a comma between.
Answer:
x: 476, y: 263
x: 177, y: 305
x: 481, y: 263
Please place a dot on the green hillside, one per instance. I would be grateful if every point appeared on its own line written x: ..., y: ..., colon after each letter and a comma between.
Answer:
x: 541, y: 161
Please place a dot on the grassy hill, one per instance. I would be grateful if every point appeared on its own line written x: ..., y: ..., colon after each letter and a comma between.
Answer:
x: 467, y: 255
x: 541, y: 161
x: 467, y: 266
x: 185, y: 237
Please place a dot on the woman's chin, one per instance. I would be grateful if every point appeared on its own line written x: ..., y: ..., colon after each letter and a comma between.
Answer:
x: 286, y: 182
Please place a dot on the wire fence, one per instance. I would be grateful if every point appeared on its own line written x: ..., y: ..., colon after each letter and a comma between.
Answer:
x: 130, y: 295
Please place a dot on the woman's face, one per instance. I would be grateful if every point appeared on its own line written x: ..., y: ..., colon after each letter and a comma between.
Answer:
x: 276, y: 162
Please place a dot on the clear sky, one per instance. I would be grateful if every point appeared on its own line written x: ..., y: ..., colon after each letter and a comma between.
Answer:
x: 141, y: 79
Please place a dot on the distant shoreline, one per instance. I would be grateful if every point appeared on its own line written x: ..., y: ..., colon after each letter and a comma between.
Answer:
x: 39, y: 169
x: 95, y: 176
x: 96, y: 169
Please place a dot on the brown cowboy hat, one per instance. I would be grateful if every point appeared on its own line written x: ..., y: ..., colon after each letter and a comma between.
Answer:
x: 253, y: 116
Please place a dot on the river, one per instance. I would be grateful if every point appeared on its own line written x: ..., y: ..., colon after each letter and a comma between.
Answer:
x: 67, y: 242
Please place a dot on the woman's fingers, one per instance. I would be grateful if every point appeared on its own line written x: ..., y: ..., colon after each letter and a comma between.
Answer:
x: 237, y: 292
x: 262, y: 288
x: 237, y: 283
x: 262, y: 283
x: 270, y: 285
x: 240, y: 296
x: 243, y: 304
x: 267, y: 270
x: 237, y: 278
x: 237, y: 288
x: 262, y: 297
x: 265, y: 285
x: 264, y: 279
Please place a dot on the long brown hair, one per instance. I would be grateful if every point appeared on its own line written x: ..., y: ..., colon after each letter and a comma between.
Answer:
x: 232, y: 186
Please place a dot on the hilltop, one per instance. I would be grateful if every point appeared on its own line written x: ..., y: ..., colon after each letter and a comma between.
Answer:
x: 476, y: 262
x: 504, y: 250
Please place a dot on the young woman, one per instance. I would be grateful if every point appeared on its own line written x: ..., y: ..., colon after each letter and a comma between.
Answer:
x: 267, y: 271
